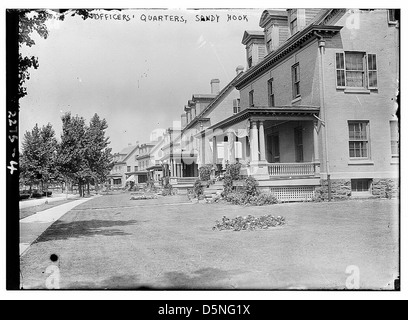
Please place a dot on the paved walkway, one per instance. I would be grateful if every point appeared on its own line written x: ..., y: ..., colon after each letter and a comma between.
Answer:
x: 38, y: 202
x: 33, y: 226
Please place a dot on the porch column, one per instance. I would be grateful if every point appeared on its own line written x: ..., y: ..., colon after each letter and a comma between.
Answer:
x: 316, y: 144
x: 173, y: 169
x: 215, y: 151
x: 262, y: 141
x: 202, y: 150
x: 254, y: 142
x: 231, y: 148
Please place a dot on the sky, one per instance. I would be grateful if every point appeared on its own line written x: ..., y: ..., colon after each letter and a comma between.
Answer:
x: 136, y: 74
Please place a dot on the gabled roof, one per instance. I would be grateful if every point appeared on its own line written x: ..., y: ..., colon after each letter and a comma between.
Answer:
x: 200, y: 96
x: 268, y: 15
x: 126, y: 150
x: 287, y: 47
x: 249, y: 35
x: 201, y: 116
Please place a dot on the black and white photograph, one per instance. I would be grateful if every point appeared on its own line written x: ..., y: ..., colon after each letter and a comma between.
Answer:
x: 224, y: 149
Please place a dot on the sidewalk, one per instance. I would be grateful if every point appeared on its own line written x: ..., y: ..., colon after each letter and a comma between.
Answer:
x: 33, y: 226
x: 36, y: 202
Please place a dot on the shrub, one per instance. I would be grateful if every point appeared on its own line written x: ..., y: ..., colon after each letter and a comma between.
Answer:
x: 249, y: 223
x: 198, y: 189
x: 168, y: 189
x: 251, y: 186
x: 205, y: 173
x: 228, y: 184
x: 233, y: 170
x: 241, y: 198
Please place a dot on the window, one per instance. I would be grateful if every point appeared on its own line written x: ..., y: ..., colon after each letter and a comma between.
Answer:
x: 358, y: 140
x: 293, y: 21
x: 128, y: 168
x: 356, y: 70
x: 236, y: 106
x: 269, y: 40
x: 251, y: 98
x: 394, y: 139
x: 135, y: 168
x: 393, y: 15
x: 296, y: 81
x: 249, y: 62
x: 361, y: 185
x: 271, y: 96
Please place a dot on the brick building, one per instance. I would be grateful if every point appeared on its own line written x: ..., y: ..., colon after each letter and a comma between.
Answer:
x: 319, y: 108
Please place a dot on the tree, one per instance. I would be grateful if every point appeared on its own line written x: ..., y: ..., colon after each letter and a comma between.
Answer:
x: 71, y: 161
x: 37, y: 161
x: 33, y: 21
x: 98, y: 155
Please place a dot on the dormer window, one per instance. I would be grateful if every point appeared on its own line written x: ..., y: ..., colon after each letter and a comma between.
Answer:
x: 293, y: 21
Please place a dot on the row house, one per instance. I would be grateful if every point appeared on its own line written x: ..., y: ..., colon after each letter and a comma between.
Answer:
x: 131, y: 164
x: 318, y: 110
x: 189, y: 150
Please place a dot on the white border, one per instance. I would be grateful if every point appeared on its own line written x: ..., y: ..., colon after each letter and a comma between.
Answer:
x: 198, y: 295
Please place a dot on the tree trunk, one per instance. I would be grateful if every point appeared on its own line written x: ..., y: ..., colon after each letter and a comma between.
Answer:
x: 88, y: 189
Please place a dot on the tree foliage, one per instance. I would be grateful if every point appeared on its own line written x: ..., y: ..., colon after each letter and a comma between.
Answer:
x: 83, y: 154
x: 37, y: 161
x: 29, y: 23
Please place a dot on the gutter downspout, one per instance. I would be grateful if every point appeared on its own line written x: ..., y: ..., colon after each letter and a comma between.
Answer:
x: 322, y: 46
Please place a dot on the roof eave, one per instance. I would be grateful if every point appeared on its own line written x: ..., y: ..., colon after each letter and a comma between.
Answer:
x: 282, y: 51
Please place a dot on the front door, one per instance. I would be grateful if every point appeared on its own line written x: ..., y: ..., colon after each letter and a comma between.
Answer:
x: 273, y: 148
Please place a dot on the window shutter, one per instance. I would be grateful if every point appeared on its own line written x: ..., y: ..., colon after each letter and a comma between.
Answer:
x: 340, y: 70
x: 372, y: 71
x: 234, y: 103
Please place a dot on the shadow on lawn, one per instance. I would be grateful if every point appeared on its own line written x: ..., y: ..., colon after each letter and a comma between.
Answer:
x: 88, y: 228
x: 122, y: 282
x: 207, y: 278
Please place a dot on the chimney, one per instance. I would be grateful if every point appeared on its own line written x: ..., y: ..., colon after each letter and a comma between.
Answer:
x: 183, y: 120
x: 215, y: 86
x: 239, y: 69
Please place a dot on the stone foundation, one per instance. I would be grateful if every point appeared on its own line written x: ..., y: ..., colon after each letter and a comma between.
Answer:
x: 341, y: 189
x: 385, y: 188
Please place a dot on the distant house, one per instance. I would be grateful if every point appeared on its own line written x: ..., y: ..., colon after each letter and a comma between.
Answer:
x: 122, y: 166
x: 131, y: 164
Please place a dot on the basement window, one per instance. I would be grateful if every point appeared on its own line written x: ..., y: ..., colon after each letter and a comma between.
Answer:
x: 361, y: 186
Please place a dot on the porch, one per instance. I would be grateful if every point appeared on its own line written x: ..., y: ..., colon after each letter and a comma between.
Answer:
x: 270, y: 143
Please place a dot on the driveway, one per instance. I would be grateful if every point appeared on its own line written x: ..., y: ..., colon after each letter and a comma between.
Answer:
x: 168, y: 243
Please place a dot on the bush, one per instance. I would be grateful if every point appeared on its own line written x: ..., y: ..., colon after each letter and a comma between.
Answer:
x: 228, y: 185
x: 198, y: 189
x: 249, y: 223
x: 251, y: 186
x: 168, y: 188
x: 234, y: 170
x: 205, y: 172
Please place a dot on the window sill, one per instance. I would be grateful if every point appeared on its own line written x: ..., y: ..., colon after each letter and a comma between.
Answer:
x: 361, y: 194
x: 361, y: 163
x: 296, y: 100
x: 395, y: 161
x: 360, y: 90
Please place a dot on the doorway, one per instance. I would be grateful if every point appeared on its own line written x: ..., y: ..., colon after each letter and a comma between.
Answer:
x: 273, y: 153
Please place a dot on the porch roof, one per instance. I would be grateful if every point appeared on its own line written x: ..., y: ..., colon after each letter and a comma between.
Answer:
x: 270, y: 113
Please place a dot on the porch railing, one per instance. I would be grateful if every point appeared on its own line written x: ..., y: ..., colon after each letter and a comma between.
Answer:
x: 292, y: 169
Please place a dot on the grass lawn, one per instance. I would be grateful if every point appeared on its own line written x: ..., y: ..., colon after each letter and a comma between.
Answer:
x: 26, y: 212
x: 117, y: 243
